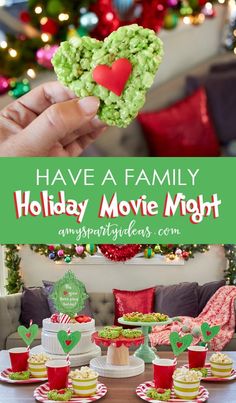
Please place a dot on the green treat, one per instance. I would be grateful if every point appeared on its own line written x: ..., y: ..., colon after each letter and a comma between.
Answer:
x: 109, y: 334
x: 131, y: 334
x: 19, y: 376
x: 62, y: 395
x: 117, y: 328
x: 155, y: 395
x: 76, y: 59
x: 202, y: 370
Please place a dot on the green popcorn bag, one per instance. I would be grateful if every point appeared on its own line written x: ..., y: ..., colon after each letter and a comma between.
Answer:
x: 119, y: 71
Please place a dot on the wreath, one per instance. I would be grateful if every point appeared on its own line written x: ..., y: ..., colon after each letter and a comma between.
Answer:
x: 119, y: 253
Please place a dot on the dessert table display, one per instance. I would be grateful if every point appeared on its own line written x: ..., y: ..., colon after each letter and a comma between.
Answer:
x: 120, y: 390
x: 145, y: 322
x: 118, y: 363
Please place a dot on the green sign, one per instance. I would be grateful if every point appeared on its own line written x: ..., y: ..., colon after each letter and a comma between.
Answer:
x: 69, y: 295
x: 118, y: 200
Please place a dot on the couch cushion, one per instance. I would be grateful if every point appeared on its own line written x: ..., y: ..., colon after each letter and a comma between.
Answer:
x: 34, y: 306
x: 178, y: 299
x: 48, y: 287
x: 102, y: 305
x: 133, y: 301
x: 183, y: 130
x: 206, y: 291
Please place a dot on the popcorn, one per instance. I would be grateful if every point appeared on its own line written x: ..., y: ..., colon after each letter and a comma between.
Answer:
x: 38, y: 358
x: 221, y: 358
x: 85, y: 373
x: 186, y: 375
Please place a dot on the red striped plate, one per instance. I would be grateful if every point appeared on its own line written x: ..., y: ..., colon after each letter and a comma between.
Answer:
x: 210, y: 378
x: 4, y: 377
x: 41, y: 392
x: 142, y: 389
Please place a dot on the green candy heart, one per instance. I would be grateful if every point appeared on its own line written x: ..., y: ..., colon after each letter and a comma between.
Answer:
x: 28, y: 334
x: 68, y: 341
x: 76, y: 59
x: 180, y: 344
x: 208, y: 332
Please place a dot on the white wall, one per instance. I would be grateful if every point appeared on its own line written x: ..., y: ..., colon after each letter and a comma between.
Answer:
x: 102, y: 275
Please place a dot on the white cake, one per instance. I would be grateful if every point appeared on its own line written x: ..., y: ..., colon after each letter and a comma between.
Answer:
x: 50, y: 342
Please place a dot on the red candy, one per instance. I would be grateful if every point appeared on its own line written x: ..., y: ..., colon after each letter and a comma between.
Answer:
x: 55, y: 318
x: 160, y: 390
x: 83, y: 319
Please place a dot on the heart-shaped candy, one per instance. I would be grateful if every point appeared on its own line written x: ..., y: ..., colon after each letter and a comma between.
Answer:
x: 119, y: 70
x: 28, y: 334
x: 180, y: 344
x: 208, y: 332
x: 68, y: 341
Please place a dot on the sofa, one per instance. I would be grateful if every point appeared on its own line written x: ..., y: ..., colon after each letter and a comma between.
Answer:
x: 102, y: 306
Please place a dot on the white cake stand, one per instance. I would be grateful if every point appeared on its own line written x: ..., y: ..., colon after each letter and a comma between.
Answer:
x: 117, y: 363
x: 144, y: 351
x: 76, y: 360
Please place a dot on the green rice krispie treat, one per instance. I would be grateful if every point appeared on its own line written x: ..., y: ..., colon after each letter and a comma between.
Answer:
x: 109, y: 333
x: 132, y: 333
x: 63, y: 395
x: 119, y: 70
x: 19, y: 376
x: 159, y: 394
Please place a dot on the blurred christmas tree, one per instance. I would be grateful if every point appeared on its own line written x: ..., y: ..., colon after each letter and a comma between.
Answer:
x: 230, y: 272
x: 230, y: 41
x: 12, y: 262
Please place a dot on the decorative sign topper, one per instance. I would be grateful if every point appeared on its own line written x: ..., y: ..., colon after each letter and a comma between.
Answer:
x: 208, y: 332
x: 68, y: 341
x: 28, y: 334
x: 69, y: 294
x: 180, y: 344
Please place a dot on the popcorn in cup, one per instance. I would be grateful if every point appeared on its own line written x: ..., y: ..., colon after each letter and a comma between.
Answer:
x: 186, y: 383
x: 84, y: 382
x: 221, y: 365
x: 37, y: 365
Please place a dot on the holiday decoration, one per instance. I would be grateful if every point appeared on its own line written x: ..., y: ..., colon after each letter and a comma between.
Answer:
x: 208, y: 333
x: 230, y: 272
x: 88, y: 21
x: 19, y: 88
x: 44, y: 55
x: 113, y: 78
x: 125, y: 89
x: 28, y: 334
x: 180, y: 344
x: 91, y: 248
x: 4, y: 85
x: 123, y: 7
x: 67, y: 259
x: 69, y: 294
x: 171, y: 20
x: 79, y: 249
x: 148, y: 253
x: 60, y: 253
x: 52, y: 255
x: 119, y: 253
x: 68, y: 341
x: 230, y: 40
x: 12, y: 262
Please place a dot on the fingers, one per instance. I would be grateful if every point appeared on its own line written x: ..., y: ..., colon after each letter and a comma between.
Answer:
x: 54, y: 124
x: 78, y: 146
x: 89, y: 127
x: 24, y: 110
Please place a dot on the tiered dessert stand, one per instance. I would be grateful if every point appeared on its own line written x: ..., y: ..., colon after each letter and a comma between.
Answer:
x: 117, y: 363
x: 144, y: 351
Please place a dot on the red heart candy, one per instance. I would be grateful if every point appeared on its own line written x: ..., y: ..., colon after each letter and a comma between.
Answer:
x: 113, y: 78
x: 160, y: 390
x: 68, y: 342
x: 28, y: 335
x: 179, y: 344
x: 208, y: 333
x: 65, y: 293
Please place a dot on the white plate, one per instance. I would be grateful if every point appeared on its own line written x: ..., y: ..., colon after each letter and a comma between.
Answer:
x: 4, y: 377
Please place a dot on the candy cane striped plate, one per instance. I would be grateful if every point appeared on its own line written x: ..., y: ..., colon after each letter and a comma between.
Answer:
x: 210, y: 378
x: 142, y: 389
x: 41, y: 392
x: 4, y: 377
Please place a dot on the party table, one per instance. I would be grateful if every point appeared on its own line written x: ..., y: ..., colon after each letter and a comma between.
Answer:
x: 119, y: 390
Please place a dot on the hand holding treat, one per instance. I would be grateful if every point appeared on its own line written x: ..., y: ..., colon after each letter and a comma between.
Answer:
x: 84, y: 381
x: 118, y: 71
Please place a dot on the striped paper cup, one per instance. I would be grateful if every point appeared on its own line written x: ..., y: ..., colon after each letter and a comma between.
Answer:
x: 221, y: 370
x: 37, y: 369
x: 186, y: 390
x: 84, y: 387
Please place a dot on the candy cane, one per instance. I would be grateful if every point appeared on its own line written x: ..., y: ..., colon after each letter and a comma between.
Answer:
x: 28, y: 347
x: 68, y: 354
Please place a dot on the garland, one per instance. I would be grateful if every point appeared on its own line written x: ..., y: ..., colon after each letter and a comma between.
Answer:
x: 112, y: 252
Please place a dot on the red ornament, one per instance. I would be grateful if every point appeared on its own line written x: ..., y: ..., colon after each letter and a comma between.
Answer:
x: 119, y: 253
x: 25, y: 17
x: 51, y: 247
x: 108, y: 20
x: 185, y: 255
x: 153, y: 13
x: 113, y: 78
x: 50, y: 27
x: 170, y: 245
x: 4, y: 84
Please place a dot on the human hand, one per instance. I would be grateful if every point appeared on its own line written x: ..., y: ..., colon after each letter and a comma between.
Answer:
x: 49, y: 121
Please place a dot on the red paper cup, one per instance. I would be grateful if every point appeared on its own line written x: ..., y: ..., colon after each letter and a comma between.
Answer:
x: 163, y: 372
x: 58, y: 371
x: 197, y: 356
x: 19, y: 359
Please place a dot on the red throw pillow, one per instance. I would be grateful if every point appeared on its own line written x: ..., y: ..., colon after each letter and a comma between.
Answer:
x: 133, y: 301
x: 182, y: 130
